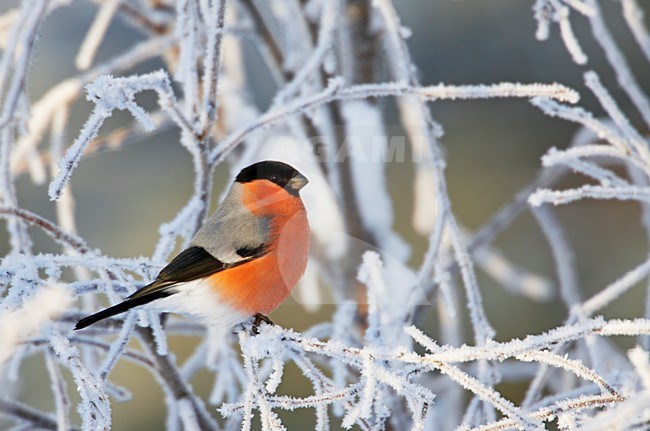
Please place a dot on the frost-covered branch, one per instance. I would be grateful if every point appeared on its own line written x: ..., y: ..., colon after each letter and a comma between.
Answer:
x: 336, y: 91
x: 391, y: 365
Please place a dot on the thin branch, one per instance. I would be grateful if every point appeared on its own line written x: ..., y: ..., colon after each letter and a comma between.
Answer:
x: 25, y: 413
x: 335, y: 91
x: 169, y: 373
x: 50, y: 228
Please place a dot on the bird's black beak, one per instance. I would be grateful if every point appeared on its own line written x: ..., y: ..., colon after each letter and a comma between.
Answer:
x: 297, y: 182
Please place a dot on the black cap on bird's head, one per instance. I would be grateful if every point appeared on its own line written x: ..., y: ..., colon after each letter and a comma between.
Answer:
x: 279, y: 173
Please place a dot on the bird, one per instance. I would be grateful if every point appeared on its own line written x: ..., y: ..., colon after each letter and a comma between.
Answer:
x: 245, y: 259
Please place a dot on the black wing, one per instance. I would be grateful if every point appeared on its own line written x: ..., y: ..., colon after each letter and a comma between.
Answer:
x: 190, y: 264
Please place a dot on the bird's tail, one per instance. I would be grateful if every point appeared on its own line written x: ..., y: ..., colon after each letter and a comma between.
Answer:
x: 121, y: 308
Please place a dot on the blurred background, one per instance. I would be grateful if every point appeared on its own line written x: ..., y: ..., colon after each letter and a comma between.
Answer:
x: 493, y: 150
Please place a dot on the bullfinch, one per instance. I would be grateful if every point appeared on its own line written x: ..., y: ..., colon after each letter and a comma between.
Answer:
x: 244, y: 261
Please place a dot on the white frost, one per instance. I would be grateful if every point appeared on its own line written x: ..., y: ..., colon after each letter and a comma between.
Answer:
x: 18, y: 324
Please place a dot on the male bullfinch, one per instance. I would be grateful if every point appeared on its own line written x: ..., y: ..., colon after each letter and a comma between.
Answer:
x: 243, y: 261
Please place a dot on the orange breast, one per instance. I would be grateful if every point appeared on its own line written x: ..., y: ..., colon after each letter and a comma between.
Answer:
x: 260, y: 285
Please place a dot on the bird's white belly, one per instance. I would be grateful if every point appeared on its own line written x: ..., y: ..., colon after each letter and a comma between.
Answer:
x: 198, y: 300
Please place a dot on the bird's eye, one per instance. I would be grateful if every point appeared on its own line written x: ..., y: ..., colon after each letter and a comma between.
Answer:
x: 275, y: 178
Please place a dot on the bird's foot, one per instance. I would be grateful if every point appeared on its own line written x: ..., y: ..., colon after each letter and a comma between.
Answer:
x: 259, y: 318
